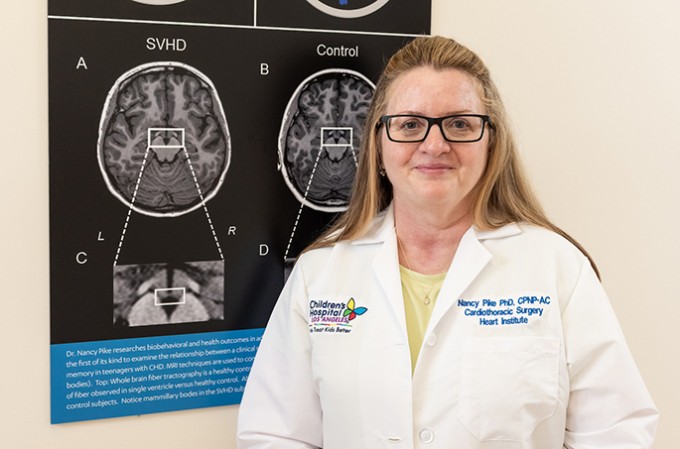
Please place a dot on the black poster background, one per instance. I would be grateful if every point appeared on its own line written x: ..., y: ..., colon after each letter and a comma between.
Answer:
x: 86, y: 220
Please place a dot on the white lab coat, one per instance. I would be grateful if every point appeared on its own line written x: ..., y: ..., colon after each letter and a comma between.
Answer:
x: 559, y: 375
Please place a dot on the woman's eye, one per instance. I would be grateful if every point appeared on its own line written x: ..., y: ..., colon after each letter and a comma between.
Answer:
x: 459, y: 124
x: 411, y: 125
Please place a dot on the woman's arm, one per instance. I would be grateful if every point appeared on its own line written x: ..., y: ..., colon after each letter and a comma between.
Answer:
x: 609, y: 406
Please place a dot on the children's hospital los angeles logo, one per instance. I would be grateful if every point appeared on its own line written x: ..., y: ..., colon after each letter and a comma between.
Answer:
x: 333, y: 316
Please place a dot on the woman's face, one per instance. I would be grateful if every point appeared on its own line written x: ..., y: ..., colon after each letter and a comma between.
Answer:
x: 434, y: 172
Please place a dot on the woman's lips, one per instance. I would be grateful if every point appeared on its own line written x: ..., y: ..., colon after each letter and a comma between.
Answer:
x: 433, y: 168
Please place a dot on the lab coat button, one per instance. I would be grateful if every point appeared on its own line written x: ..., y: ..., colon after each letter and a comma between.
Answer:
x: 431, y: 340
x: 426, y: 436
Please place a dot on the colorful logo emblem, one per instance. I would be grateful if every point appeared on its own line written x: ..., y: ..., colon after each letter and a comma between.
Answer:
x: 352, y: 311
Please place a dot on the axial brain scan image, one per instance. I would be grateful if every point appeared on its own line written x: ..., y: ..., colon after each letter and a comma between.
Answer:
x: 164, y: 146
x: 159, y: 2
x: 348, y: 9
x: 321, y: 135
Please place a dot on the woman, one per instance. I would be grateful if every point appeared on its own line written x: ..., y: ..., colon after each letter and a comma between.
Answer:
x: 443, y: 309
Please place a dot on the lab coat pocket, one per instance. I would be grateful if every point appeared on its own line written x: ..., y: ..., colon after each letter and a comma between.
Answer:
x: 508, y: 385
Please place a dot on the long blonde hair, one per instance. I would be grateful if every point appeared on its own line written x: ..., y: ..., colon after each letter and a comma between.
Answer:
x: 503, y: 194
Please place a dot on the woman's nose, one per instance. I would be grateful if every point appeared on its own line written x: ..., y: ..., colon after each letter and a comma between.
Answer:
x: 435, y: 143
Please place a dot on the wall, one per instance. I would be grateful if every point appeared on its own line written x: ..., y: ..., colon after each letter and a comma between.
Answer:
x: 593, y: 91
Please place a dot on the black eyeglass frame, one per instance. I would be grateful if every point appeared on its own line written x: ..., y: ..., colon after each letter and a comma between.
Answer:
x: 435, y: 121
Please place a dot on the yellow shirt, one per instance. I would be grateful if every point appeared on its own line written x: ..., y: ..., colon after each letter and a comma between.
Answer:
x: 420, y: 293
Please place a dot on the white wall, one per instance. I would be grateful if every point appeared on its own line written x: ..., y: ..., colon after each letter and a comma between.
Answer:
x: 593, y: 89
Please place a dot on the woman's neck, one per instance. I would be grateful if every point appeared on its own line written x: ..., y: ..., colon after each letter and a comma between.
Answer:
x: 428, y: 239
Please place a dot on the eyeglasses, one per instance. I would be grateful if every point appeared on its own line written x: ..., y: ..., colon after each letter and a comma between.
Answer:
x: 415, y: 128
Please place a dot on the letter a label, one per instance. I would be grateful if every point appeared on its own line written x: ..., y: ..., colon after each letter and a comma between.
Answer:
x: 81, y: 64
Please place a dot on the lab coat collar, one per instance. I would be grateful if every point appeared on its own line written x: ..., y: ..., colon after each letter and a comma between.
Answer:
x: 471, y: 257
x: 382, y: 230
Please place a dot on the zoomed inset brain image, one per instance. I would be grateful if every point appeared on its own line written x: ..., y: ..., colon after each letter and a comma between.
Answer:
x: 320, y: 137
x: 164, y: 146
x: 152, y: 294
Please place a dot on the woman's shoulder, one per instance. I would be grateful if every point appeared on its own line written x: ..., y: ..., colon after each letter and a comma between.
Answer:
x: 380, y: 229
x: 537, y: 250
x: 538, y: 239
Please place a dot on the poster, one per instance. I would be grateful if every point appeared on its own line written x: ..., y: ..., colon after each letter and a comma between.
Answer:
x: 195, y: 148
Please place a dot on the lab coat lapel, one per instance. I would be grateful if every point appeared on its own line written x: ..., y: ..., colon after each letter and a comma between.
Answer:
x: 386, y: 271
x: 471, y: 257
x: 385, y: 265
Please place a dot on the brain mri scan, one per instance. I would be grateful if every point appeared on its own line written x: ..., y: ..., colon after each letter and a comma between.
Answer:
x: 321, y: 135
x: 348, y: 9
x: 158, y: 2
x: 152, y: 294
x: 164, y: 146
